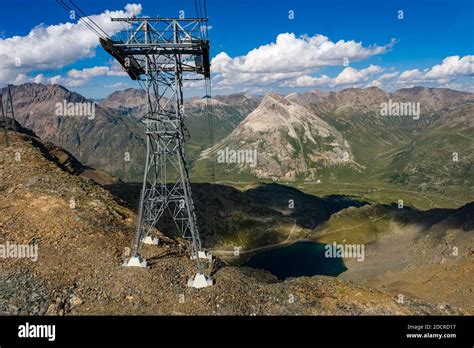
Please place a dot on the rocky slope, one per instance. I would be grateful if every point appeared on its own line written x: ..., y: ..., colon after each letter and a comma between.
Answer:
x: 364, y: 99
x: 416, y: 153
x: 102, y: 141
x: 131, y: 102
x: 226, y: 113
x: 81, y: 247
x: 440, y: 158
x: 420, y: 254
x: 289, y: 140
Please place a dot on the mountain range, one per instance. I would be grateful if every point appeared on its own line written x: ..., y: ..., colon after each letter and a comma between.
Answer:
x: 317, y: 135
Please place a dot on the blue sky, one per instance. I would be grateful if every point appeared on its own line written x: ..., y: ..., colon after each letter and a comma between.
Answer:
x: 433, y: 44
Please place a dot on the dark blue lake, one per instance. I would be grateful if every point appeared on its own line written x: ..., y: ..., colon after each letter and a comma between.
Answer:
x: 296, y: 260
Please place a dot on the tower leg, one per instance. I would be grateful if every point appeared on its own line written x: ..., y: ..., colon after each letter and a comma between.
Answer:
x: 5, y: 122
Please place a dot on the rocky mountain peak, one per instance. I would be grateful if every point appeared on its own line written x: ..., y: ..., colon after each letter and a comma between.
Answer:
x: 128, y: 98
x: 203, y: 102
x: 273, y: 99
x: 43, y: 94
x: 291, y: 141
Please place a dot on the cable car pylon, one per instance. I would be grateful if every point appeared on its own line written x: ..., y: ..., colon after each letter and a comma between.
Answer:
x: 159, y: 52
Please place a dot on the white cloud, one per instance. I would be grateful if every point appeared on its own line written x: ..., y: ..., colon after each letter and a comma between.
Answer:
x: 388, y: 76
x: 348, y: 76
x: 459, y: 86
x: 40, y: 78
x: 78, y: 78
x: 446, y: 74
x: 55, y: 79
x: 375, y: 83
x: 289, y: 57
x: 451, y: 73
x: 451, y: 67
x: 411, y: 75
x: 21, y: 78
x: 293, y: 61
x: 118, y: 85
x: 310, y: 81
x: 55, y: 46
x: 88, y: 73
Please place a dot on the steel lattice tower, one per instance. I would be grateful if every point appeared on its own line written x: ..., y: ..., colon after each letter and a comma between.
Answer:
x: 7, y: 112
x: 159, y: 52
